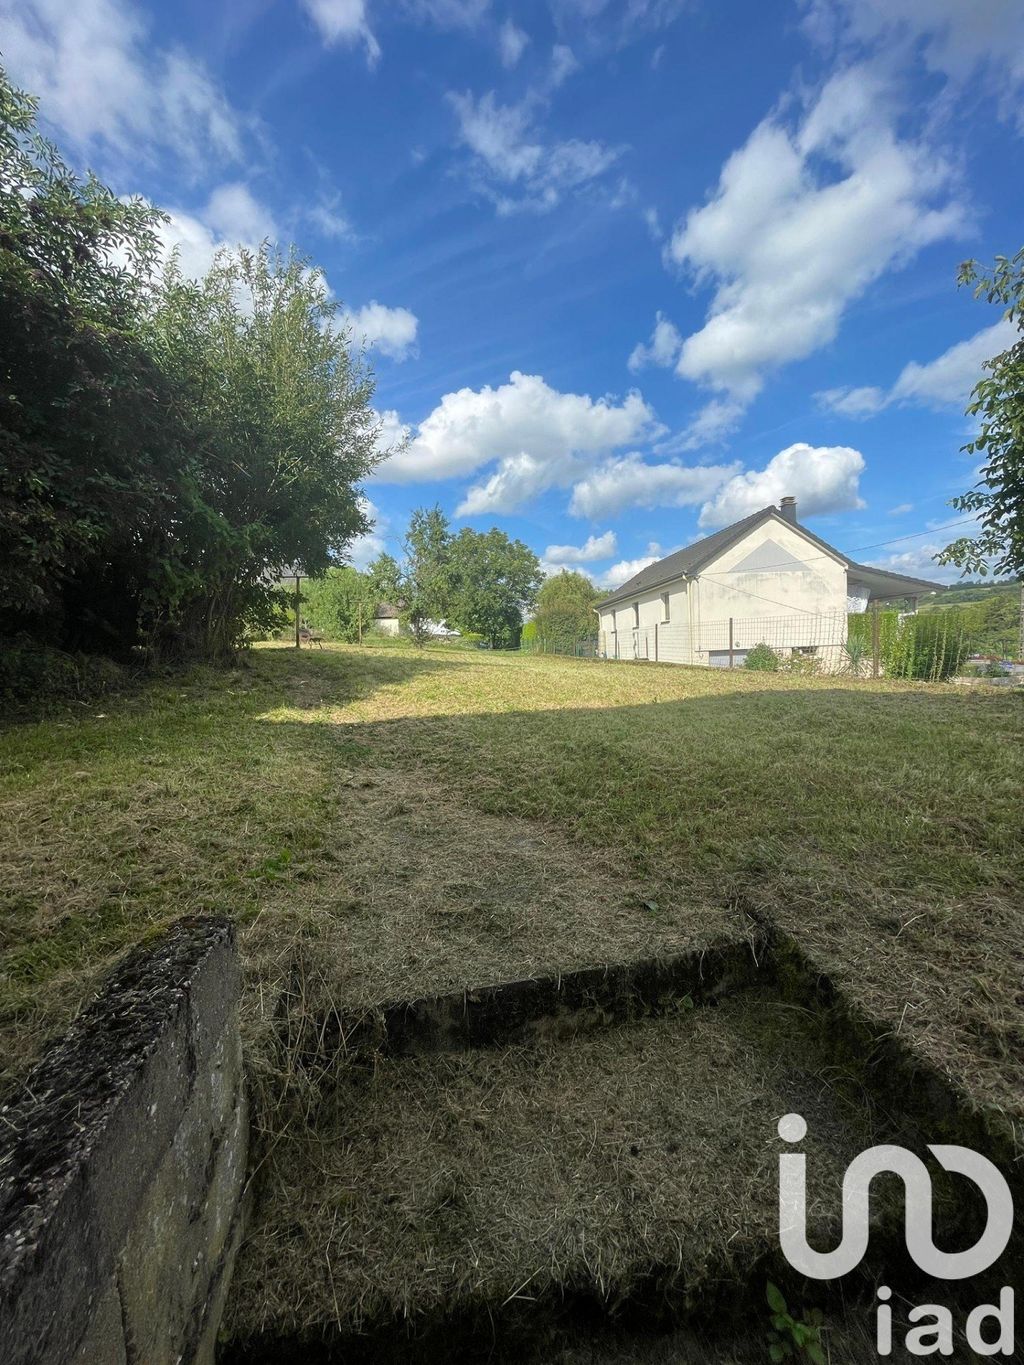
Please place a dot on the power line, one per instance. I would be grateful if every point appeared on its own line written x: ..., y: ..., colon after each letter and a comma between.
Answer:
x: 878, y: 544
x: 775, y: 602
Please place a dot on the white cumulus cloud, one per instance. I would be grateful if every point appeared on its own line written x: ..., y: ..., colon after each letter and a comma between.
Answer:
x: 960, y: 39
x: 512, y: 43
x: 629, y: 481
x: 943, y: 382
x: 822, y: 479
x: 111, y: 89
x: 231, y: 217
x: 343, y: 22
x: 361, y: 551
x: 803, y: 219
x: 541, y: 438
x: 392, y: 331
x: 595, y: 547
x: 624, y: 570
x: 920, y: 563
x: 662, y: 349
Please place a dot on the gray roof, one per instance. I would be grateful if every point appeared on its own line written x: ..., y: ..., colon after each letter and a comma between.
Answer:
x: 687, y: 562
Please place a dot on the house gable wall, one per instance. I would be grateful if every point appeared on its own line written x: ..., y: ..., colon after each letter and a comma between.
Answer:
x: 774, y: 570
x: 804, y: 578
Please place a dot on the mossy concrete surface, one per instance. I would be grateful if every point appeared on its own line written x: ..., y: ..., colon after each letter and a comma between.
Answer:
x: 122, y: 1166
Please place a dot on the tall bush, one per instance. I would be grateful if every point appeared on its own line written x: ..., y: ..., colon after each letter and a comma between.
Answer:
x: 565, y: 611
x: 933, y: 646
x: 90, y: 440
x: 340, y: 604
x: 167, y: 446
x: 281, y: 432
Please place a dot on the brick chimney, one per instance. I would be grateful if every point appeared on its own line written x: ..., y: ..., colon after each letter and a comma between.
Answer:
x: 788, y: 510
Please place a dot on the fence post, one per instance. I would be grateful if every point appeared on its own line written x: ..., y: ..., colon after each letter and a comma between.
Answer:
x: 730, y: 643
x: 655, y: 642
x: 876, y: 642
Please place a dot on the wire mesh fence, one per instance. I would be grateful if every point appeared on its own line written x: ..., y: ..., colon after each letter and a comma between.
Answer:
x: 874, y: 643
x: 877, y: 643
x: 727, y: 643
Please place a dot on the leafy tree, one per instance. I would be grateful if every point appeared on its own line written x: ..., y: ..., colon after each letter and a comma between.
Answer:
x: 167, y: 447
x: 425, y: 582
x: 998, y: 399
x: 341, y: 604
x: 565, y: 610
x: 281, y: 432
x: 385, y: 579
x: 89, y: 433
x: 493, y: 582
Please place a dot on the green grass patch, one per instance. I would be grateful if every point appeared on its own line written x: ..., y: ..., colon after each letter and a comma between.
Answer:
x: 447, y: 816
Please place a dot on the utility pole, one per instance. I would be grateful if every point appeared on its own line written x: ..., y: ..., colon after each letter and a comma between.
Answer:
x: 876, y: 641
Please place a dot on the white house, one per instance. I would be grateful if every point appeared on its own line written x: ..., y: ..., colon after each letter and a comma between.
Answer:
x: 387, y: 621
x: 765, y: 578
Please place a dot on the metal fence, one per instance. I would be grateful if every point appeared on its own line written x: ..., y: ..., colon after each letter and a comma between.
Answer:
x: 726, y: 643
x: 874, y: 643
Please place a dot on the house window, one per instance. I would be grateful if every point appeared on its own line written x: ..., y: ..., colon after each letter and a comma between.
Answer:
x: 636, y: 615
x: 615, y: 624
x: 666, y: 615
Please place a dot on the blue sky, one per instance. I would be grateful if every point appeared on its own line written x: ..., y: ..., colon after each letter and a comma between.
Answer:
x: 627, y: 271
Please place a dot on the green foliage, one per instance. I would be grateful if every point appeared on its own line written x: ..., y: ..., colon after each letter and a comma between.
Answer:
x: 478, y: 582
x: 341, y: 604
x: 891, y: 642
x: 494, y: 580
x: 991, y: 616
x: 930, y: 646
x: 88, y: 433
x: 565, y: 612
x: 281, y: 432
x: 793, y: 1338
x: 762, y: 659
x: 997, y: 500
x: 166, y: 446
x: 33, y: 675
x: 385, y: 580
x: 426, y: 578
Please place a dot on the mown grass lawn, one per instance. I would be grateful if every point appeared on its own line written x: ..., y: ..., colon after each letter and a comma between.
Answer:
x: 430, y: 819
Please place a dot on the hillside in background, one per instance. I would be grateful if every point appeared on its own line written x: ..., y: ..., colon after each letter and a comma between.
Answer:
x: 990, y: 612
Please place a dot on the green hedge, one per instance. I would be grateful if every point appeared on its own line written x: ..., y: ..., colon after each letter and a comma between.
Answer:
x: 929, y: 647
x: 33, y: 675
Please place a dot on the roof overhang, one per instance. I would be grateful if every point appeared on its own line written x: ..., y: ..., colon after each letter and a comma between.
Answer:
x: 885, y: 586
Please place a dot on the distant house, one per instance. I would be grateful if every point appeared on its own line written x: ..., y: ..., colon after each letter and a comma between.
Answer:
x: 386, y: 619
x: 765, y: 578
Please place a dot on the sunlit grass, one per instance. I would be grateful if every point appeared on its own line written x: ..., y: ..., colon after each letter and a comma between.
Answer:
x: 880, y: 822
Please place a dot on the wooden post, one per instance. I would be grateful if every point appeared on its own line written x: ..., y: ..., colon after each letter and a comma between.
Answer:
x: 655, y: 642
x: 876, y: 642
x: 730, y: 643
x: 298, y: 611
